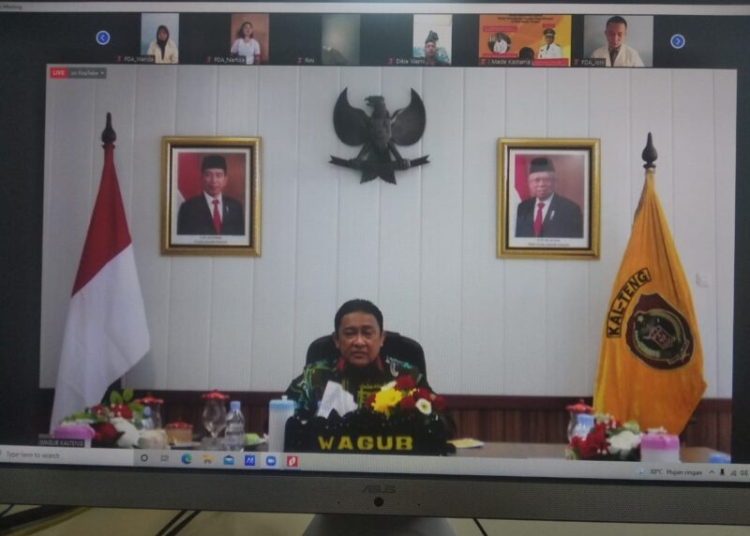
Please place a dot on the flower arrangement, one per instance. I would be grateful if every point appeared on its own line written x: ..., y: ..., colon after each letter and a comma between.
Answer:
x: 608, y: 439
x: 402, y: 395
x: 108, y: 425
x: 400, y: 418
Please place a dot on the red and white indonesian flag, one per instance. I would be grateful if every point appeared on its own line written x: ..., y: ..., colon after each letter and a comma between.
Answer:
x: 106, y: 332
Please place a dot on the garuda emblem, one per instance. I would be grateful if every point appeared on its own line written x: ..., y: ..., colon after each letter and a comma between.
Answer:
x: 379, y: 134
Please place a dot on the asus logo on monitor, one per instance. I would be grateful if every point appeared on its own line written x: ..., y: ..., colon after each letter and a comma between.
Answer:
x: 379, y: 489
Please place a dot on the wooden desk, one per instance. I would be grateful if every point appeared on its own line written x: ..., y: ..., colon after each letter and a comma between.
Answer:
x: 557, y: 450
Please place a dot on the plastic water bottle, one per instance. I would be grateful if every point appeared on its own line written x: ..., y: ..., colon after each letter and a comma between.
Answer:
x: 146, y: 422
x: 279, y: 412
x: 234, y: 435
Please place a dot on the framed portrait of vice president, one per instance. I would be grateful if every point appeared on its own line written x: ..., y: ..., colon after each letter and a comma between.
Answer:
x: 211, y: 196
x: 548, y: 198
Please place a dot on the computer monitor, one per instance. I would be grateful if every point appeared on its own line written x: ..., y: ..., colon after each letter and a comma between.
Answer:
x: 511, y: 329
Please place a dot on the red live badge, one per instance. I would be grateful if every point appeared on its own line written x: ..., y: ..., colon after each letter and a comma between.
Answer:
x: 58, y: 72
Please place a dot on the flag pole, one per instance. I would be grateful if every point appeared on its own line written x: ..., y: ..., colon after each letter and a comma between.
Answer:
x: 651, y: 360
x: 109, y: 136
x: 649, y: 154
x: 106, y: 331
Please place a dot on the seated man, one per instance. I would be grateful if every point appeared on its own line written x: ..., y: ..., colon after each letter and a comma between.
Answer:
x: 360, y: 369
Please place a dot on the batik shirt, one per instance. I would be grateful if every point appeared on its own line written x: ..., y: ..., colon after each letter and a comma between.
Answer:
x: 308, y: 388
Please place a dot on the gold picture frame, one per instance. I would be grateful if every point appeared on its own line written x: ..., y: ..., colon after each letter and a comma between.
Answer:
x: 566, y: 225
x: 192, y: 178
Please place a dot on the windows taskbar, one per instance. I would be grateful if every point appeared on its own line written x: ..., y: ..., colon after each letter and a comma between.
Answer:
x: 462, y: 465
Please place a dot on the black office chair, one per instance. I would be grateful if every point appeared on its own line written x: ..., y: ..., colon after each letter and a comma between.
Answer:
x: 395, y: 345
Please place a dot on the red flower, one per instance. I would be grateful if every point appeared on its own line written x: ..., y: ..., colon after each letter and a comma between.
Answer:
x: 97, y: 410
x: 438, y: 403
x: 121, y: 410
x: 598, y: 436
x: 405, y: 383
x: 594, y: 445
x: 407, y: 403
x: 421, y: 392
x: 612, y: 424
x: 587, y: 451
x: 105, y: 432
x: 370, y: 400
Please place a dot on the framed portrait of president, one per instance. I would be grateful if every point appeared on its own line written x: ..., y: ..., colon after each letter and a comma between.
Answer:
x: 211, y: 196
x: 548, y: 198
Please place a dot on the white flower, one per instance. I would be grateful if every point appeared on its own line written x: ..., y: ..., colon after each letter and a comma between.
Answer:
x: 129, y: 437
x: 424, y: 406
x: 391, y: 385
x: 624, y: 441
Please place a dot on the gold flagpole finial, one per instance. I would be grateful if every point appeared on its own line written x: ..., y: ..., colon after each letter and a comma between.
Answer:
x: 649, y: 154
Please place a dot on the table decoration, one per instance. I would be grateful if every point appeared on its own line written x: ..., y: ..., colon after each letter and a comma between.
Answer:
x: 155, y: 404
x: 179, y: 434
x: 574, y: 410
x: 214, y: 417
x: 113, y: 424
x: 400, y: 418
x: 608, y: 439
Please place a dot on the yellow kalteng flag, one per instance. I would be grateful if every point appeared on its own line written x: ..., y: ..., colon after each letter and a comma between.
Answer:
x: 651, y: 360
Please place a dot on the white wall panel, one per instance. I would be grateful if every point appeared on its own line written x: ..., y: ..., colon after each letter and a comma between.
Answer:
x: 441, y: 227
x: 275, y: 272
x: 423, y: 249
x: 70, y: 189
x: 694, y: 227
x: 317, y: 227
x: 191, y: 279
x: 525, y: 350
x: 725, y: 121
x: 651, y: 110
x: 566, y: 306
x: 482, y: 273
x: 359, y: 204
x: 154, y: 117
x: 609, y: 120
x: 400, y: 255
x: 231, y: 313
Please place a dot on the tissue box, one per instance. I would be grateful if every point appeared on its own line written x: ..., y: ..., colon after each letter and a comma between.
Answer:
x: 660, y: 448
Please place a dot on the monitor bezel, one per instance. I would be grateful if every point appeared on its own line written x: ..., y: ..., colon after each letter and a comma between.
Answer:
x: 418, y: 495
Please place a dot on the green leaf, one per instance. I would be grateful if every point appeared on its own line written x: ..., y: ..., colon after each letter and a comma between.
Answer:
x: 115, y: 398
x: 127, y: 394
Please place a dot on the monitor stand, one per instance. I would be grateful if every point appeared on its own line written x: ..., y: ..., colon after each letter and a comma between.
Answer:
x: 377, y: 525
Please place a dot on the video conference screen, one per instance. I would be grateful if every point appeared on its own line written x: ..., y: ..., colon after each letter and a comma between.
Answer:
x: 464, y: 187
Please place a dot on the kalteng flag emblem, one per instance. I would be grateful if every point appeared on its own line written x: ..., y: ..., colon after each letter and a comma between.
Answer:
x: 651, y: 361
x: 106, y: 332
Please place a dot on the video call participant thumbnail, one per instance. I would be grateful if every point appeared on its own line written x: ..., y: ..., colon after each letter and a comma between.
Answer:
x: 163, y: 49
x: 431, y: 51
x: 617, y: 53
x: 246, y: 45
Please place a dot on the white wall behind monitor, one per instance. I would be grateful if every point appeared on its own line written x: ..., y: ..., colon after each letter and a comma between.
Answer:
x: 423, y: 250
